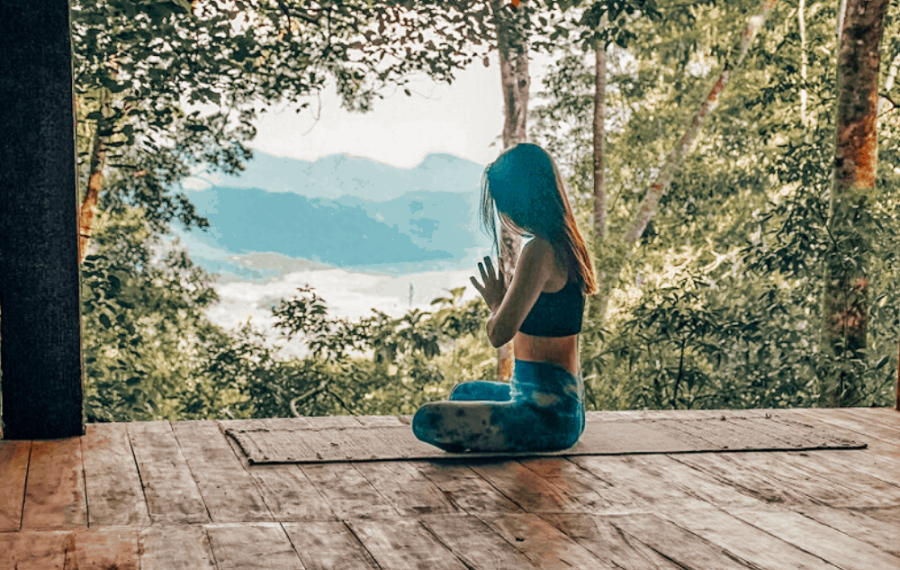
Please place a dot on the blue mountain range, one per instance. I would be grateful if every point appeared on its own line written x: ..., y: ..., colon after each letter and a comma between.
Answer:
x: 338, y: 211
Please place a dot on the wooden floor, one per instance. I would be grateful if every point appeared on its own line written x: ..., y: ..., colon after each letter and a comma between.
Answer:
x: 181, y: 495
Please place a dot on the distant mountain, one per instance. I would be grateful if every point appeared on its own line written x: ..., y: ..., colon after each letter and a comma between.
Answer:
x: 283, y: 214
x: 341, y: 175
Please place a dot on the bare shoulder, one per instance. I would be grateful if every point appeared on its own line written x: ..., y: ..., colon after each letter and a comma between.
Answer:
x: 539, y: 249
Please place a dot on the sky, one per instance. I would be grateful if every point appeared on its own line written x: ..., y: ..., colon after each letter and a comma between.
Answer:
x: 464, y: 119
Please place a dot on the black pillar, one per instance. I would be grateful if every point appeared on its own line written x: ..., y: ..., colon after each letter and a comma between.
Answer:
x: 40, y: 321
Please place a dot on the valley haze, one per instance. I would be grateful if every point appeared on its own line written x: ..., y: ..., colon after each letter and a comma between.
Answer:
x: 362, y: 233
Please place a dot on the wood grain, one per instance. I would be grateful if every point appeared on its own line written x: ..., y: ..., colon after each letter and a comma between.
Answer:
x: 528, y: 489
x: 804, y: 479
x: 329, y: 546
x: 834, y: 546
x: 34, y: 550
x: 324, y: 422
x: 879, y: 533
x: 227, y: 489
x: 406, y: 488
x: 104, y: 549
x: 545, y: 546
x: 580, y: 485
x: 401, y: 544
x: 648, y: 490
x: 746, y: 541
x: 169, y: 488
x: 692, y: 482
x: 724, y: 468
x: 13, y: 472
x: 677, y: 544
x: 248, y: 546
x: 465, y: 488
x: 114, y: 493
x: 613, y: 547
x: 286, y: 490
x: 475, y: 543
x: 176, y: 547
x: 347, y: 492
x: 54, y: 493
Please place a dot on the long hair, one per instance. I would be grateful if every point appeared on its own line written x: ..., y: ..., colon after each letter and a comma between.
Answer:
x: 524, y: 188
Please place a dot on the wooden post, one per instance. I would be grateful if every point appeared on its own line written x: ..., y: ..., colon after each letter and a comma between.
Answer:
x: 40, y: 320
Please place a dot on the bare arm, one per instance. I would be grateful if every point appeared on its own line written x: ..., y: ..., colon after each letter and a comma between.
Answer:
x: 533, y: 269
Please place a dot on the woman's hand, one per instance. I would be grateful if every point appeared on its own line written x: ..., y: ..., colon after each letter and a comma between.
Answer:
x: 494, y: 287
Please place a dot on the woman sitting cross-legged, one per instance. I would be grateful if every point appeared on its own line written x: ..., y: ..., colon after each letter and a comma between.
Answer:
x: 542, y: 407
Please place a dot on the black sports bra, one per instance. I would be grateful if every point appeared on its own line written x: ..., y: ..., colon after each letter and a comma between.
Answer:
x: 556, y: 314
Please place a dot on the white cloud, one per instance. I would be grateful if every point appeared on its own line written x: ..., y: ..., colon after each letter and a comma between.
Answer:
x: 462, y: 119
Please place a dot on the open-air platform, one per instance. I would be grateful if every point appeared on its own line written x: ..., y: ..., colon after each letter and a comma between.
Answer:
x: 182, y: 495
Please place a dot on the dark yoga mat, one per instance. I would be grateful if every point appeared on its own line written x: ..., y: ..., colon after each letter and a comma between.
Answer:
x: 617, y: 437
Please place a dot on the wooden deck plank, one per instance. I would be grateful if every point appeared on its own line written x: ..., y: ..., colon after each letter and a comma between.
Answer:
x: 626, y: 475
x: 746, y: 541
x: 286, y: 490
x: 402, y: 544
x: 475, y: 543
x: 251, y: 546
x: 380, y: 421
x: 176, y: 547
x: 526, y: 488
x: 34, y: 550
x: 348, y: 493
x: 853, y: 477
x: 227, y: 489
x: 693, y: 482
x: 804, y: 479
x: 677, y: 544
x: 844, y: 551
x: 878, y: 533
x: 169, y: 488
x: 884, y: 417
x: 545, y: 546
x: 836, y: 417
x: 858, y: 460
x: 54, y: 492
x: 105, y: 548
x: 287, y: 423
x: 596, y: 495
x: 323, y: 422
x: 890, y: 416
x: 613, y: 547
x: 13, y: 472
x: 464, y: 488
x: 329, y: 546
x: 406, y: 488
x: 890, y: 515
x: 725, y: 469
x: 114, y: 493
x: 289, y: 494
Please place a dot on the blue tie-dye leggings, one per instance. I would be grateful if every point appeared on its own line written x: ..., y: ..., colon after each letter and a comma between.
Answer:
x: 540, y: 409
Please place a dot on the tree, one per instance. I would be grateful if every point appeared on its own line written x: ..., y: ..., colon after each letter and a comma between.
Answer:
x: 852, y: 196
x: 138, y: 63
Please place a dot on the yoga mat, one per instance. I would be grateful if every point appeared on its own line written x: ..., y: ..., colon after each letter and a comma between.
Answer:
x: 619, y: 437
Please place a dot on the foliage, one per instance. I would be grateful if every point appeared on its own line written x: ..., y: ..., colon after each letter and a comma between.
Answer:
x: 719, y: 307
x: 721, y: 304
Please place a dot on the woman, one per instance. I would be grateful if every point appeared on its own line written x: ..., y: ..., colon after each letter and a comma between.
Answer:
x: 542, y: 408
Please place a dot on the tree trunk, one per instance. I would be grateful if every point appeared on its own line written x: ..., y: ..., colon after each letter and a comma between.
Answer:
x: 597, y: 304
x: 852, y: 194
x: 515, y: 81
x: 804, y: 62
x: 95, y: 183
x: 647, y: 207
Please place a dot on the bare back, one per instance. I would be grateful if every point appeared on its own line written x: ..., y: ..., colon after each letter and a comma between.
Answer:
x: 562, y: 351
